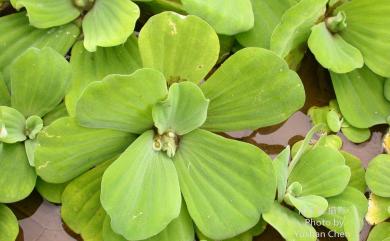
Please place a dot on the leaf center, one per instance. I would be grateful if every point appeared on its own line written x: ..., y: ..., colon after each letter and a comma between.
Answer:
x: 337, y: 23
x: 167, y: 142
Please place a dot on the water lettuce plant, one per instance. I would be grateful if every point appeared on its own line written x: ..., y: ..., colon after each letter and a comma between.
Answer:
x: 333, y: 122
x: 321, y: 183
x: 377, y: 179
x: 170, y: 114
x: 23, y: 113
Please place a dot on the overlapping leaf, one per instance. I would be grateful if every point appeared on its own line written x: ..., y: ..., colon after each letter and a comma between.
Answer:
x: 377, y: 175
x: 9, y: 227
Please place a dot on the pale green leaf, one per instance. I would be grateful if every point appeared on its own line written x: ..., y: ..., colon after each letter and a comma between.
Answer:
x: 280, y: 165
x: 378, y: 209
x: 42, y: 93
x: 355, y: 135
x: 272, y: 92
x: 181, y: 47
x: 49, y: 191
x: 34, y: 125
x: 294, y: 29
x: 268, y: 15
x: 309, y: 206
x: 9, y: 227
x: 316, y: 170
x: 67, y: 150
x: 58, y: 112
x: 352, y: 224
x: 377, y: 175
x: 109, y: 23
x: 289, y: 224
x: 333, y: 121
x: 136, y: 185
x: 318, y: 115
x: 211, y: 171
x: 184, y: 110
x: 360, y: 97
x: 368, y: 30
x: 122, y: 102
x: 332, y: 51
x: 387, y: 89
x: 17, y: 177
x: 48, y: 13
x: 5, y: 98
x: 12, y: 125
x: 380, y: 232
x: 357, y: 172
x: 30, y: 146
x: 88, y: 67
x: 227, y: 17
x: 334, y: 217
x: 21, y: 35
x: 81, y: 209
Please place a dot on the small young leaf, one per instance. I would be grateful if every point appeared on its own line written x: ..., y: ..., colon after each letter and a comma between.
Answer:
x: 332, y: 51
x: 122, y: 102
x: 227, y: 17
x: 49, y: 191
x: 377, y: 175
x: 378, y: 209
x: 181, y: 47
x: 109, y: 23
x: 210, y: 169
x: 289, y: 224
x: 9, y: 227
x: 184, y: 110
x: 12, y: 125
x: 136, y: 185
x: 320, y: 179
x: 356, y: 135
x: 310, y: 206
x: 41, y: 93
x: 333, y: 121
x: 34, y: 125
x: 17, y: 177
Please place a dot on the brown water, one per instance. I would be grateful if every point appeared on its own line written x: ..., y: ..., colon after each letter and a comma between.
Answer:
x: 40, y: 220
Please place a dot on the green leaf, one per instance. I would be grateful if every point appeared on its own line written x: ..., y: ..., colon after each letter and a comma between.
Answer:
x: 135, y: 186
x: 56, y: 113
x: 377, y: 175
x: 109, y: 23
x: 309, y: 206
x: 211, y: 168
x: 122, y: 102
x: 334, y: 218
x: 9, y: 227
x: 5, y: 98
x: 181, y: 47
x: 180, y: 229
x: 41, y: 94
x: 368, y: 31
x: 289, y: 224
x: 272, y: 92
x: 332, y: 51
x: 333, y: 121
x: 355, y: 135
x: 280, y: 165
x: 88, y: 67
x: 357, y: 172
x: 380, y: 232
x: 30, y: 146
x: 17, y: 177
x: 360, y: 97
x: 81, y: 209
x: 67, y: 150
x: 320, y: 178
x: 12, y: 125
x: 34, y: 125
x: 184, y: 110
x: 268, y: 15
x: 318, y: 115
x: 387, y: 89
x: 21, y: 36
x: 49, y: 191
x: 48, y: 13
x: 294, y: 29
x: 352, y: 224
x: 227, y: 17
x: 378, y: 209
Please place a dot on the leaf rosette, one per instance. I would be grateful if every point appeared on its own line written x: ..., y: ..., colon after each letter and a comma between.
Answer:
x: 172, y: 111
